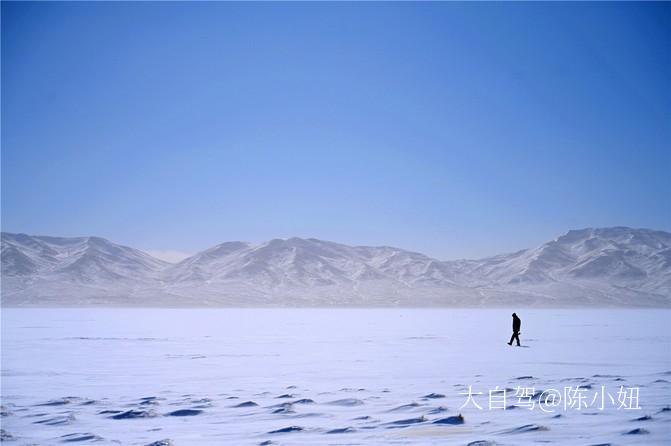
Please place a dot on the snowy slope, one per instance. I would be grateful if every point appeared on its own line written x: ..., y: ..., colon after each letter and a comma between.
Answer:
x: 308, y: 272
x: 606, y: 266
x: 78, y: 258
x: 41, y: 269
x: 308, y: 262
x: 617, y: 259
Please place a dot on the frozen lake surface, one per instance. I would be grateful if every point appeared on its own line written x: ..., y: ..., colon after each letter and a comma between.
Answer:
x: 304, y: 377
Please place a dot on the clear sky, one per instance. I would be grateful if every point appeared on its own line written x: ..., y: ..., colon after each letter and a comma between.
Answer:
x: 454, y: 129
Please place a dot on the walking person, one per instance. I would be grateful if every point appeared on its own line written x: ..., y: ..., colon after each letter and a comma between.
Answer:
x: 517, y: 324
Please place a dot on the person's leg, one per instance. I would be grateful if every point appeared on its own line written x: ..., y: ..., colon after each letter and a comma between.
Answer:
x: 517, y: 337
x: 511, y: 339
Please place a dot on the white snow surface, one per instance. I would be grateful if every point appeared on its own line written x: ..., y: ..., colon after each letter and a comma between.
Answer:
x: 589, y: 267
x: 372, y: 376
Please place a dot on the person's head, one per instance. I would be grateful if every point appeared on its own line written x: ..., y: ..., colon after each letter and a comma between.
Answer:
x: 514, y: 315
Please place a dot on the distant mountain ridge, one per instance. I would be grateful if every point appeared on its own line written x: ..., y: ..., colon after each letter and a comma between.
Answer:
x: 588, y: 267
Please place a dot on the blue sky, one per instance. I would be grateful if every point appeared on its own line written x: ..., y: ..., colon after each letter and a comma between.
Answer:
x: 454, y: 129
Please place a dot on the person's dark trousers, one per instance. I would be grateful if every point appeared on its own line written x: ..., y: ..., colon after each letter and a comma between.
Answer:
x: 516, y: 336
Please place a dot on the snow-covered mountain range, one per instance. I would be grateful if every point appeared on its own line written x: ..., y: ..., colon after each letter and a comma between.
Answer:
x: 588, y: 267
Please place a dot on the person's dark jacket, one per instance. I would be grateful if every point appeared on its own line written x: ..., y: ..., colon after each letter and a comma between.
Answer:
x: 517, y: 324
